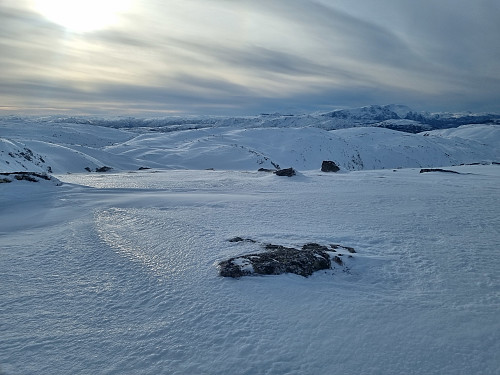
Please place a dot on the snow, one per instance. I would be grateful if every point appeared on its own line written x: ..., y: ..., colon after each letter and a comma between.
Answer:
x: 484, y: 134
x: 74, y: 147
x: 116, y: 273
x: 244, y: 263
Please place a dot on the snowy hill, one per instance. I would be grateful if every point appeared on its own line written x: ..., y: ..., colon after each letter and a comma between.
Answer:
x: 59, y: 147
x: 393, y: 116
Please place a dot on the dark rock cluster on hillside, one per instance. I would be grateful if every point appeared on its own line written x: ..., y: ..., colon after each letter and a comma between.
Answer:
x: 26, y: 158
x: 7, y: 177
x: 278, y: 259
x: 99, y: 170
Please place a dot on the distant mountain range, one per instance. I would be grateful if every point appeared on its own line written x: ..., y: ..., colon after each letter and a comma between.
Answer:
x: 393, y: 116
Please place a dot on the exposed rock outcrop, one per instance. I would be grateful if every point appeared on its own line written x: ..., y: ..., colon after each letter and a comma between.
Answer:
x: 278, y: 259
x: 100, y: 169
x: 7, y: 177
x: 103, y: 169
x: 288, y: 172
x: 329, y: 166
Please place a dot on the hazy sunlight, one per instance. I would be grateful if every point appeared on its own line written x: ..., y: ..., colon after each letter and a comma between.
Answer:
x: 82, y: 15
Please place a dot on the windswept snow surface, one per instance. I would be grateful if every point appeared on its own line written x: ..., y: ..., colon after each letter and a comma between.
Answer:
x: 115, y: 274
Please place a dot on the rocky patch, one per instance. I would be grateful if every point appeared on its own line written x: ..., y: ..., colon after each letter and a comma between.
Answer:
x: 278, y: 259
x: 425, y: 170
x: 288, y: 172
x: 240, y: 239
x: 329, y: 166
x: 16, y: 156
x: 7, y: 177
x: 100, y: 169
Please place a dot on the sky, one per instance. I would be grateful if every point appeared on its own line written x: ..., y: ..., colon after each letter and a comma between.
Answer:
x: 244, y: 57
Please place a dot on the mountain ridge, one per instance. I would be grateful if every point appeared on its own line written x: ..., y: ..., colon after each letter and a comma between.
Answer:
x: 392, y: 116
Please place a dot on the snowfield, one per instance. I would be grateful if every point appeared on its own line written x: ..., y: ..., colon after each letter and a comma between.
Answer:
x: 116, y: 273
x: 73, y: 147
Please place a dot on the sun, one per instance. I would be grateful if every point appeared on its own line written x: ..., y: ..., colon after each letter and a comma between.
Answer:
x: 82, y: 15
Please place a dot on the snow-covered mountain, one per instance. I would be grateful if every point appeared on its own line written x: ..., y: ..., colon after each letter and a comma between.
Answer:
x: 61, y: 147
x: 393, y: 116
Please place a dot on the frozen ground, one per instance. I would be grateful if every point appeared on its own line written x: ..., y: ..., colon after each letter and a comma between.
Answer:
x: 115, y: 274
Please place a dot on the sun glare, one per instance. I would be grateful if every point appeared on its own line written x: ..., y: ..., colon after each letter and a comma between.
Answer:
x: 82, y: 15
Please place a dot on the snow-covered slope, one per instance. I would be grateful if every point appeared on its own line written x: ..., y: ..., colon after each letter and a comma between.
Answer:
x: 483, y: 134
x: 15, y: 156
x: 58, y: 147
x: 61, y: 148
x: 306, y: 148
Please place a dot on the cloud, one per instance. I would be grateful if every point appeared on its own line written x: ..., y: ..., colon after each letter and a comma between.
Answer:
x: 251, y: 56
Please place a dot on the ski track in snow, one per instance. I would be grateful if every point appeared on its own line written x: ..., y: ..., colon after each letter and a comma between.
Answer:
x: 120, y: 277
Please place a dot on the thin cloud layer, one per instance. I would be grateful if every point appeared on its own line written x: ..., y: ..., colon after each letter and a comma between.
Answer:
x: 243, y: 57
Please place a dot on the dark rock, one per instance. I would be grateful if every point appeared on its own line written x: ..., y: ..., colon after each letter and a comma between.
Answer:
x: 314, y: 246
x: 329, y: 166
x: 103, y: 169
x: 477, y: 163
x: 349, y: 249
x: 25, y: 176
x: 424, y: 170
x: 88, y: 169
x: 337, y: 260
x: 240, y: 239
x: 276, y: 261
x: 288, y: 172
x: 143, y: 168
